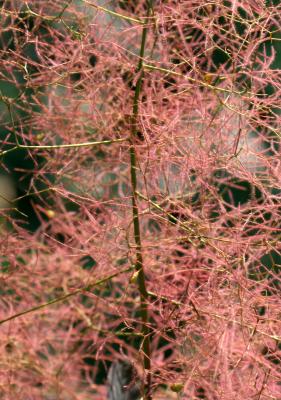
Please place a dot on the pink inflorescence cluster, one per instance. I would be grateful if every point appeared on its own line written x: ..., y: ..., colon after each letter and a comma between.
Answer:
x: 151, y: 143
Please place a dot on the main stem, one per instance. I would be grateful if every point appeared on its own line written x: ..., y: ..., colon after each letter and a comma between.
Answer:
x: 136, y: 221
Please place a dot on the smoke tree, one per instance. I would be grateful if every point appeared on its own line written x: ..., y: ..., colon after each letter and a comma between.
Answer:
x: 149, y: 134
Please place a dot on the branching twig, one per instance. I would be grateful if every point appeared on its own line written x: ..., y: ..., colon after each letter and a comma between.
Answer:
x: 65, y: 297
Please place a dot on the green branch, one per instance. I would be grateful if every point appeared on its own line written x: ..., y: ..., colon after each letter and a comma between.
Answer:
x: 61, y: 146
x: 189, y: 78
x: 141, y: 279
x: 65, y: 297
x: 115, y: 14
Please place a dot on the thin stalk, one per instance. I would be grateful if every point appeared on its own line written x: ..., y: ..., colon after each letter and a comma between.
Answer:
x: 61, y: 146
x: 65, y: 297
x: 115, y: 14
x: 136, y: 221
x: 69, y: 145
